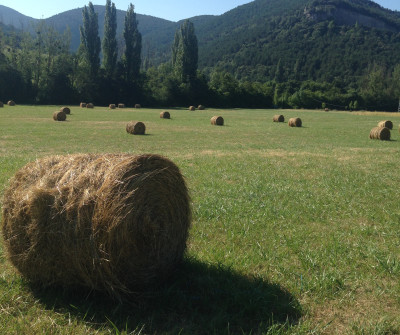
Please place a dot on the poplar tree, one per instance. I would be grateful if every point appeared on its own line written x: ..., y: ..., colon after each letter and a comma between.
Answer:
x: 90, y: 40
x: 133, y: 45
x: 185, y: 53
x: 110, y: 49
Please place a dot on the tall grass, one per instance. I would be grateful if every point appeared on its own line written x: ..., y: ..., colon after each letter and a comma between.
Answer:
x: 295, y: 230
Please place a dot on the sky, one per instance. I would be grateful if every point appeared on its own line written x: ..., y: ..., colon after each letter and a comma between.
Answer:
x: 173, y: 10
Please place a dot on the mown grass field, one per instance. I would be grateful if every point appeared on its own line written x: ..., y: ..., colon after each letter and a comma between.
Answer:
x: 295, y: 230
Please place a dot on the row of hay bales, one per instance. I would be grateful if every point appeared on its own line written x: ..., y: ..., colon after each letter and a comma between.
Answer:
x: 9, y: 103
x: 382, y: 131
x: 199, y: 107
x: 293, y: 122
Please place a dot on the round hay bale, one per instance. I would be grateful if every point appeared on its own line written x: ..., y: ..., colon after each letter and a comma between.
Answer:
x: 122, y: 106
x: 165, y: 115
x: 59, y: 116
x: 278, y: 118
x: 379, y: 133
x: 115, y: 222
x: 386, y: 124
x: 192, y: 108
x: 89, y: 105
x: 135, y: 128
x: 138, y: 106
x: 217, y: 121
x: 11, y: 103
x: 66, y: 110
x: 201, y: 107
x: 83, y: 105
x: 1, y: 104
x: 112, y: 106
x: 326, y: 109
x: 295, y: 122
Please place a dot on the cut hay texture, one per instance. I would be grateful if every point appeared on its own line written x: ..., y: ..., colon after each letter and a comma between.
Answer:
x: 59, y: 116
x: 123, y: 106
x: 379, y: 133
x: 386, y: 124
x: 201, y: 108
x: 295, y: 122
x: 278, y: 118
x: 83, y: 105
x: 135, y: 128
x: 217, y: 121
x: 138, y: 106
x: 11, y: 103
x: 66, y: 110
x: 112, y: 106
x: 165, y: 115
x: 192, y: 108
x: 89, y: 105
x: 115, y: 222
x: 1, y: 104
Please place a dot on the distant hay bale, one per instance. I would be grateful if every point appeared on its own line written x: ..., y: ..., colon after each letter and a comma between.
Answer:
x: 387, y: 124
x: 201, y: 107
x: 11, y: 103
x: 379, y: 133
x: 326, y: 109
x: 112, y: 106
x: 59, y: 116
x: 295, y: 122
x: 217, y: 121
x: 278, y: 118
x: 136, y: 128
x: 89, y: 105
x: 66, y: 110
x: 165, y: 115
x: 1, y: 104
x: 138, y: 106
x: 122, y: 105
x: 83, y: 105
x: 114, y: 222
x: 192, y: 108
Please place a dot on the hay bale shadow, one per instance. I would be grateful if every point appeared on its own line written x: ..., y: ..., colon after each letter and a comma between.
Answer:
x: 199, y: 299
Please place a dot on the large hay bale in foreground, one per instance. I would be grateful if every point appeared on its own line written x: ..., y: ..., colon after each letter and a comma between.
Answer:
x: 386, y: 124
x: 379, y: 133
x: 113, y: 222
x: 66, y: 110
x: 1, y: 104
x: 192, y: 108
x: 11, y: 103
x: 121, y: 105
x: 165, y: 115
x: 278, y: 118
x: 135, y: 128
x: 217, y: 121
x: 89, y: 105
x: 59, y: 116
x: 83, y: 105
x: 295, y: 122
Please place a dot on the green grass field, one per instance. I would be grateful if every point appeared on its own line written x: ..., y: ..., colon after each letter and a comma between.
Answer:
x: 295, y: 230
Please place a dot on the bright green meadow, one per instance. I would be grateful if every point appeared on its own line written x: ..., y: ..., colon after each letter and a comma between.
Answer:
x: 295, y: 230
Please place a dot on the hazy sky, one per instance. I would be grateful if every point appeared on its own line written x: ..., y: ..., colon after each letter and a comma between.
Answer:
x: 173, y: 10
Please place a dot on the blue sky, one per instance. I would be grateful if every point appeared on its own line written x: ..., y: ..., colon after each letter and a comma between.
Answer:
x: 173, y: 10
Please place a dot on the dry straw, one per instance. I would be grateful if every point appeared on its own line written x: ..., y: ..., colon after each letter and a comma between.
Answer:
x: 135, y: 128
x: 11, y: 103
x: 113, y: 222
x: 138, y: 106
x: 112, y: 106
x: 165, y: 115
x: 192, y: 108
x: 89, y: 105
x: 278, y: 118
x: 295, y: 122
x: 83, y: 105
x: 217, y: 121
x: 59, y: 116
x: 122, y: 105
x: 386, y: 124
x: 201, y: 107
x: 66, y: 110
x: 379, y: 133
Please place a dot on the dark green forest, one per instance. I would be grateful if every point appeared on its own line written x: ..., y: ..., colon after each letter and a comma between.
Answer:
x: 336, y: 54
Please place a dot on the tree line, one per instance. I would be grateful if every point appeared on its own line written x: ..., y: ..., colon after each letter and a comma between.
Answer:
x: 40, y: 69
